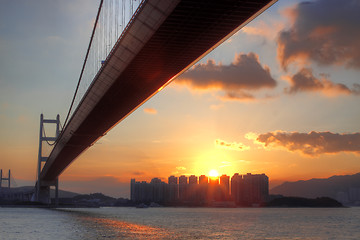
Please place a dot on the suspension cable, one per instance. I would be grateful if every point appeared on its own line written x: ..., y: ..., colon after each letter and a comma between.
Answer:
x: 13, y: 182
x: 85, y: 60
x: 50, y: 144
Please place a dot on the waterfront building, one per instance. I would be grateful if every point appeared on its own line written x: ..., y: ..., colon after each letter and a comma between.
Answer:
x: 132, y: 189
x: 203, y: 189
x: 224, y: 187
x: 203, y: 179
x: 213, y: 190
x: 159, y: 190
x: 172, y: 180
x: 246, y: 190
x: 236, y: 187
x: 193, y: 190
x: 193, y: 179
x: 173, y: 189
x: 183, y: 182
x: 250, y: 188
x: 213, y: 180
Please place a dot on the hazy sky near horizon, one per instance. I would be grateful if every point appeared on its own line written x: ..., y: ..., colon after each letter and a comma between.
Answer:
x: 279, y: 97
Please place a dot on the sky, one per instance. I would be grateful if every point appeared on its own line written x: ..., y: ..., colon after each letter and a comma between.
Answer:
x: 279, y: 97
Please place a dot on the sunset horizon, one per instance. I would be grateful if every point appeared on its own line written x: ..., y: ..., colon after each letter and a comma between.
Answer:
x: 180, y: 119
x: 279, y: 97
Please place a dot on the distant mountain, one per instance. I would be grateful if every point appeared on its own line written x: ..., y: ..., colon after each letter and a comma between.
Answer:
x: 345, y: 189
x: 63, y: 194
x: 303, y: 202
x: 25, y: 189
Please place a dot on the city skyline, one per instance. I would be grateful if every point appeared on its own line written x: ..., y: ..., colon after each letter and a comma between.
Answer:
x: 243, y: 190
x: 281, y: 96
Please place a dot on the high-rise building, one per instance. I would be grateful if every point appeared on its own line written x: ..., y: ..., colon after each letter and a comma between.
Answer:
x: 245, y: 190
x: 213, y: 180
x: 132, y: 189
x: 193, y: 189
x: 224, y: 187
x: 183, y: 182
x: 203, y: 189
x: 236, y: 187
x: 173, y: 189
x: 172, y: 180
x: 213, y: 190
x: 203, y: 179
x: 158, y: 188
x: 252, y: 189
x: 193, y: 179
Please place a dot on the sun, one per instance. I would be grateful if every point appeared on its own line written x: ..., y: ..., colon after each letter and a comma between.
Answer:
x: 213, y: 173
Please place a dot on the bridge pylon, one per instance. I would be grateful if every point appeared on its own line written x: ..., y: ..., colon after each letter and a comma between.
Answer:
x: 4, y: 179
x: 42, y: 188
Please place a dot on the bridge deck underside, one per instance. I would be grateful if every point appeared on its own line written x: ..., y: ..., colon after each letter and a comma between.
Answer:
x: 188, y: 32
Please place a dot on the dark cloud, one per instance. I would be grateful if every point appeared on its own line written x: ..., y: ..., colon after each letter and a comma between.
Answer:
x: 313, y: 143
x: 325, y: 31
x: 304, y: 80
x: 245, y: 73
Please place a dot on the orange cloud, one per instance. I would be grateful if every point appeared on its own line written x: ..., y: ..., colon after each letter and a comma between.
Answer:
x: 231, y: 146
x: 304, y: 80
x: 150, y: 110
x: 324, y: 31
x: 267, y: 29
x: 138, y: 173
x: 245, y: 73
x: 181, y: 168
x: 313, y: 143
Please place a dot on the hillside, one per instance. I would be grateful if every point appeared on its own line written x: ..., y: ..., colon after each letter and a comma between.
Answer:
x: 24, y: 189
x: 345, y: 189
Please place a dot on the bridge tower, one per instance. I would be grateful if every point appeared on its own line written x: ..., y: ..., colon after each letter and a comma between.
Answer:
x: 42, y: 191
x: 4, y: 178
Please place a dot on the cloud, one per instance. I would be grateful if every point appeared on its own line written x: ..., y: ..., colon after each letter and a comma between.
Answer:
x: 245, y: 73
x: 181, y: 168
x: 313, y: 143
x: 324, y: 31
x: 231, y: 146
x: 267, y: 29
x: 138, y: 173
x: 150, y: 110
x: 304, y: 80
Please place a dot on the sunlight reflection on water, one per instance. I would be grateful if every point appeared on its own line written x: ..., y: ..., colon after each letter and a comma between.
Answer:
x: 180, y: 223
x: 111, y: 228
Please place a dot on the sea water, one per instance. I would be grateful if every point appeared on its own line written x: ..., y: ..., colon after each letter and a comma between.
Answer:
x: 180, y: 223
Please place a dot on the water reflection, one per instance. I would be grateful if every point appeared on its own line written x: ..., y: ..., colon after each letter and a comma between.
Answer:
x: 98, y: 226
x: 212, y: 223
x: 120, y: 229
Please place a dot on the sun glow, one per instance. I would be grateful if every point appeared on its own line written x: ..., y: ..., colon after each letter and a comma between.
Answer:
x: 213, y: 173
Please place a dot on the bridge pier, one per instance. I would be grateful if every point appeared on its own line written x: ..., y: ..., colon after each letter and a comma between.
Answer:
x: 42, y: 188
x: 43, y: 192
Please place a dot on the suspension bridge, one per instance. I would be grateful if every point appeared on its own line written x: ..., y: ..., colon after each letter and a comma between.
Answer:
x: 9, y: 190
x: 136, y: 48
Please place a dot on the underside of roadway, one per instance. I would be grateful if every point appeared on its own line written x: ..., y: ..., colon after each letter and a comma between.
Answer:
x: 191, y: 30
